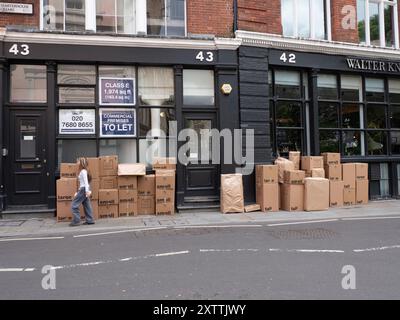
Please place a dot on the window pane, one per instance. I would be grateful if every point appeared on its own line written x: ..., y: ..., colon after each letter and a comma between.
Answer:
x: 155, y: 119
x: 389, y: 23
x: 394, y: 91
x: 303, y: 18
x: 28, y: 83
x: 288, y: 114
x: 156, y: 17
x: 361, y: 20
x: 395, y: 117
x: 53, y: 14
x: 28, y: 136
x: 70, y: 150
x: 287, y: 84
x: 76, y: 95
x: 200, y: 150
x: 126, y: 16
x: 329, y: 141
x: 176, y: 18
x: 384, y: 182
x: 351, y: 88
x: 76, y: 74
x: 351, y: 141
x: 105, y: 16
x: 376, y: 117
x: 374, y: 23
x: 287, y: 8
x: 328, y: 115
x: 123, y: 148
x: 395, y: 142
x: 198, y: 87
x: 150, y: 148
x: 117, y: 72
x: 375, y: 89
x: 75, y: 15
x: 351, y: 115
x: 319, y: 19
x: 327, y: 87
x: 156, y: 86
x: 376, y: 141
x: 289, y: 140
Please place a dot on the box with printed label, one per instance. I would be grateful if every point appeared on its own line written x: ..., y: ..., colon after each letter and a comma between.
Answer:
x: 108, y: 211
x: 127, y: 209
x: 108, y: 197
x: 165, y: 180
x: 165, y: 208
x: 146, y: 205
x: 318, y: 173
x: 127, y: 195
x: 66, y: 189
x: 69, y: 170
x: 294, y: 177
x: 109, y: 182
x: 266, y: 174
x: 316, y: 194
x: 308, y: 163
x: 295, y: 157
x: 108, y: 166
x: 349, y: 196
x: 362, y: 191
x: 333, y: 172
x: 336, y: 193
x: 349, y: 175
x: 267, y: 197
x: 331, y: 158
x: 160, y: 163
x: 128, y: 182
x: 147, y: 185
x: 95, y: 187
x: 95, y: 210
x: 131, y: 169
x: 94, y: 167
x: 361, y: 171
x: 292, y: 197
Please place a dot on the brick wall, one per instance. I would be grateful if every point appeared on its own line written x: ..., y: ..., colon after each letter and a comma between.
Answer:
x: 260, y: 16
x: 21, y: 19
x: 210, y: 17
x: 340, y: 28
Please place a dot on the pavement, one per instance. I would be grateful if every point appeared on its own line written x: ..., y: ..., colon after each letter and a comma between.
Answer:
x: 32, y: 225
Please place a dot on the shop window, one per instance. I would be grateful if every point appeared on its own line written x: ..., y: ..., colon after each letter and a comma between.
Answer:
x: 327, y: 87
x: 70, y: 150
x: 398, y: 178
x: 64, y: 15
x: 288, y: 114
x: 394, y: 91
x: 198, y: 87
x: 155, y: 121
x: 395, y: 142
x: 150, y: 148
x: 379, y: 180
x: 329, y: 141
x: 115, y: 16
x: 117, y: 71
x: 287, y: 84
x: 166, y: 17
x: 76, y: 74
x: 125, y: 149
x: 352, y: 143
x: 305, y: 18
x: 328, y: 115
x: 351, y: 115
x: 289, y: 140
x: 76, y: 95
x: 378, y: 22
x: 395, y: 117
x: 375, y: 90
x: 377, y: 142
x: 28, y: 83
x: 351, y: 88
x: 376, y: 116
x: 156, y: 86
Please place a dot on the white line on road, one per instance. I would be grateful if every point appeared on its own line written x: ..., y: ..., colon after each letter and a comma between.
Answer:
x: 377, y: 249
x: 300, y: 222
x: 170, y: 253
x: 221, y: 226
x: 31, y: 239
x: 17, y: 269
x: 369, y: 218
x: 305, y: 250
x: 116, y: 232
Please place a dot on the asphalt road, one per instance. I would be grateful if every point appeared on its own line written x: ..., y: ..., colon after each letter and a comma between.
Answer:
x: 291, y: 261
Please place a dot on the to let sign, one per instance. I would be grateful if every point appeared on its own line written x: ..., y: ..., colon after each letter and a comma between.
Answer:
x: 117, y: 91
x: 117, y: 123
x: 21, y: 8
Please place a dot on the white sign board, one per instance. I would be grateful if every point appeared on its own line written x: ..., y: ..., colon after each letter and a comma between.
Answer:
x: 77, y: 121
x: 22, y: 8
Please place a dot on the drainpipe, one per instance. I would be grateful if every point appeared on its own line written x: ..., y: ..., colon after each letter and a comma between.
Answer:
x: 235, y: 16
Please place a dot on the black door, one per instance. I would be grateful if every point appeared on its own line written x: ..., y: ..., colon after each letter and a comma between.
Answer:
x: 27, y: 176
x: 201, y: 175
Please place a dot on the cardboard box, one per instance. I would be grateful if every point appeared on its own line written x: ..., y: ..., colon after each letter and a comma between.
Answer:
x: 108, y: 212
x: 336, y: 193
x: 252, y: 208
x: 94, y: 167
x: 108, y: 166
x: 308, y: 163
x: 294, y: 177
x: 165, y: 209
x: 95, y: 187
x: 165, y: 196
x: 162, y: 163
x: 333, y: 172
x: 232, y: 199
x: 362, y: 187
x: 108, y: 197
x: 69, y: 170
x: 95, y: 210
x: 165, y: 180
x: 295, y: 156
x: 127, y: 209
x: 131, y: 169
x: 349, y: 175
x: 331, y: 158
x: 147, y: 185
x: 128, y: 182
x: 127, y: 196
x: 266, y: 174
x: 283, y: 165
x: 64, y: 211
x: 146, y: 205
x: 109, y: 182
x: 349, y: 196
x: 361, y: 171
x: 292, y: 197
x: 318, y: 173
x: 316, y: 194
x: 267, y: 197
x: 66, y: 188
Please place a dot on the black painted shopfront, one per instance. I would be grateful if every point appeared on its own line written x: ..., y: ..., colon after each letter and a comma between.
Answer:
x: 44, y: 83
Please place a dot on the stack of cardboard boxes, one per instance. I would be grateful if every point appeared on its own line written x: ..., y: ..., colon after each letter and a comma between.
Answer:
x: 165, y: 169
x: 128, y: 188
x: 292, y: 190
x: 66, y: 188
x: 333, y: 172
x: 267, y: 187
x: 355, y: 178
x: 108, y: 192
x: 146, y: 194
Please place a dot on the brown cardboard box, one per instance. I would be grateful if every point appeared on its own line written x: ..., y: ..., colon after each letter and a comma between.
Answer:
x: 95, y: 210
x: 252, y: 208
x: 109, y: 182
x: 147, y: 185
x: 267, y: 196
x: 146, y: 205
x: 127, y: 196
x: 108, y: 166
x: 331, y: 158
x: 162, y: 163
x: 308, y: 163
x: 283, y: 165
x: 336, y: 193
x: 94, y: 167
x: 69, y: 170
x: 349, y: 196
x: 165, y: 196
x: 318, y: 173
x: 108, y: 212
x: 108, y: 197
x: 128, y: 182
x: 295, y: 156
x: 127, y: 209
x: 64, y: 211
x: 316, y: 194
x: 266, y: 174
x: 94, y: 187
x: 165, y: 209
x: 131, y: 169
x: 66, y: 188
x: 349, y: 175
x: 361, y: 171
x: 165, y: 180
x: 362, y: 191
x: 232, y: 199
x: 294, y: 177
x: 292, y: 197
x: 333, y: 172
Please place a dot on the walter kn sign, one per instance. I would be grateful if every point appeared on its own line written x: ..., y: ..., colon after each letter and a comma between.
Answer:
x: 373, y: 65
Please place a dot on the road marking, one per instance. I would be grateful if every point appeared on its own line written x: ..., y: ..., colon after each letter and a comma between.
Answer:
x: 216, y: 250
x: 170, y: 253
x: 17, y: 269
x: 29, y: 269
x: 369, y: 218
x: 31, y: 239
x: 300, y: 222
x: 306, y: 250
x: 221, y: 226
x: 125, y: 259
x: 377, y: 249
x: 116, y: 232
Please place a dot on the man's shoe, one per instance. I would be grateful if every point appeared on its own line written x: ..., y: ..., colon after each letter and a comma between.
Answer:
x: 88, y: 223
x: 74, y: 224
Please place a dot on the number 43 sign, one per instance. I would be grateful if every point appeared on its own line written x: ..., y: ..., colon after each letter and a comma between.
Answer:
x: 19, y: 49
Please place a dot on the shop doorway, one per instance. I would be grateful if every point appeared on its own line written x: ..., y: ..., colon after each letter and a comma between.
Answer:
x: 27, y: 156
x: 201, y: 176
